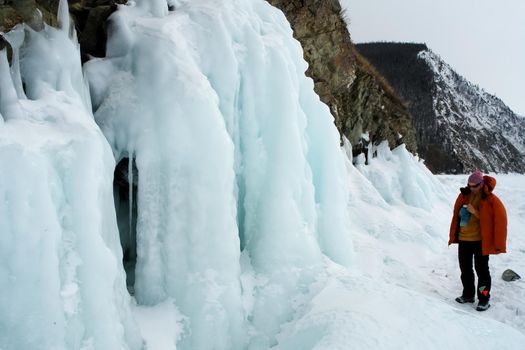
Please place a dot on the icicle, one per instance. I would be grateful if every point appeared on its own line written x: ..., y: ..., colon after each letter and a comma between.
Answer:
x: 63, y: 16
x: 86, y: 94
x: 17, y: 77
x: 9, y: 105
x: 347, y: 149
x: 16, y: 37
x: 130, y: 182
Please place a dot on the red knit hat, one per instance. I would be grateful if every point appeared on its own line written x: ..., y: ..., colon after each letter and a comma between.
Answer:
x: 476, y: 177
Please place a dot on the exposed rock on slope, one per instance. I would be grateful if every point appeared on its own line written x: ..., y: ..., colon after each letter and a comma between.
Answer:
x: 358, y: 97
x: 13, y: 12
x: 90, y: 18
x: 459, y: 126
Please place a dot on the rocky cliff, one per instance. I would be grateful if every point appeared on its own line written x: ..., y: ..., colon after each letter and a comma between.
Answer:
x: 459, y: 126
x: 32, y: 12
x: 359, y: 98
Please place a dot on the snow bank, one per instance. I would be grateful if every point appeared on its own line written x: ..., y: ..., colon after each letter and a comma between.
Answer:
x: 400, y: 290
x: 352, y: 311
x: 60, y: 273
x: 399, y: 177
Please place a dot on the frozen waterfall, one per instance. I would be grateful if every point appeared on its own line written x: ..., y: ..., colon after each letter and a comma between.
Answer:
x: 235, y: 155
x: 60, y: 272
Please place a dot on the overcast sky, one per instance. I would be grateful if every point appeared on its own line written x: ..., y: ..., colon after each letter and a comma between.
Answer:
x: 483, y: 40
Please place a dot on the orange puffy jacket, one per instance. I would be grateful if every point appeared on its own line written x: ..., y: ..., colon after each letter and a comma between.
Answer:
x: 492, y: 218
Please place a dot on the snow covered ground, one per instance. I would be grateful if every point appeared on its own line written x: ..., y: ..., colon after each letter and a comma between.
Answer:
x: 400, y: 292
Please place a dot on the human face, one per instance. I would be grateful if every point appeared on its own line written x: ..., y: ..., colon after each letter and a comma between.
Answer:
x: 474, y: 187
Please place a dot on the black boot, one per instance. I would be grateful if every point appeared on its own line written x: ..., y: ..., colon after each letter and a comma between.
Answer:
x: 483, y: 305
x: 463, y: 300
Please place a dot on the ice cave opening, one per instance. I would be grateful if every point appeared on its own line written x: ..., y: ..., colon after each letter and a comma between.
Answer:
x: 125, y: 187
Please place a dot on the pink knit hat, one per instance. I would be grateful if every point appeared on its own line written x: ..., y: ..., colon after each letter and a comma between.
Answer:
x: 476, y: 177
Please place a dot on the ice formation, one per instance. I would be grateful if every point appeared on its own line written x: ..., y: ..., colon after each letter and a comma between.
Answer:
x: 236, y: 194
x: 234, y: 153
x: 399, y: 177
x: 60, y: 272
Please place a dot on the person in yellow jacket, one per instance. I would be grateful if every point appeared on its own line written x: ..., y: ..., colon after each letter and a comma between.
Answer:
x: 479, y: 226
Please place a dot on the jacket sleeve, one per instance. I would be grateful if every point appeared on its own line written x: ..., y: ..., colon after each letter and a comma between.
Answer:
x: 455, y: 220
x: 500, y: 226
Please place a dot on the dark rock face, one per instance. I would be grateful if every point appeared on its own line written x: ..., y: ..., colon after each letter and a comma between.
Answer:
x: 459, y: 127
x: 89, y: 16
x: 127, y: 215
x: 360, y: 100
x: 32, y: 12
x: 373, y: 106
x: 13, y: 12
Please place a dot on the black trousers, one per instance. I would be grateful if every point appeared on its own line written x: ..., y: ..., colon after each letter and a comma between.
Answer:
x: 467, y: 251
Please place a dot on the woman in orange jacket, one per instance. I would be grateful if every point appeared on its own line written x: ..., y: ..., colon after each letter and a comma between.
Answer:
x: 479, y: 226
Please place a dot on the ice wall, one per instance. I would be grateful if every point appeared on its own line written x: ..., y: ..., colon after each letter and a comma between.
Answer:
x: 234, y: 152
x: 61, y: 277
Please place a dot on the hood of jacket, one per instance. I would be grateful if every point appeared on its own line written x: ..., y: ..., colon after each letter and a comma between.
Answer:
x: 489, y: 183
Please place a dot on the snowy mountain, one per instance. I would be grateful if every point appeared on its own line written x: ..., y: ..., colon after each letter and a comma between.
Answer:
x: 459, y: 126
x: 188, y: 191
